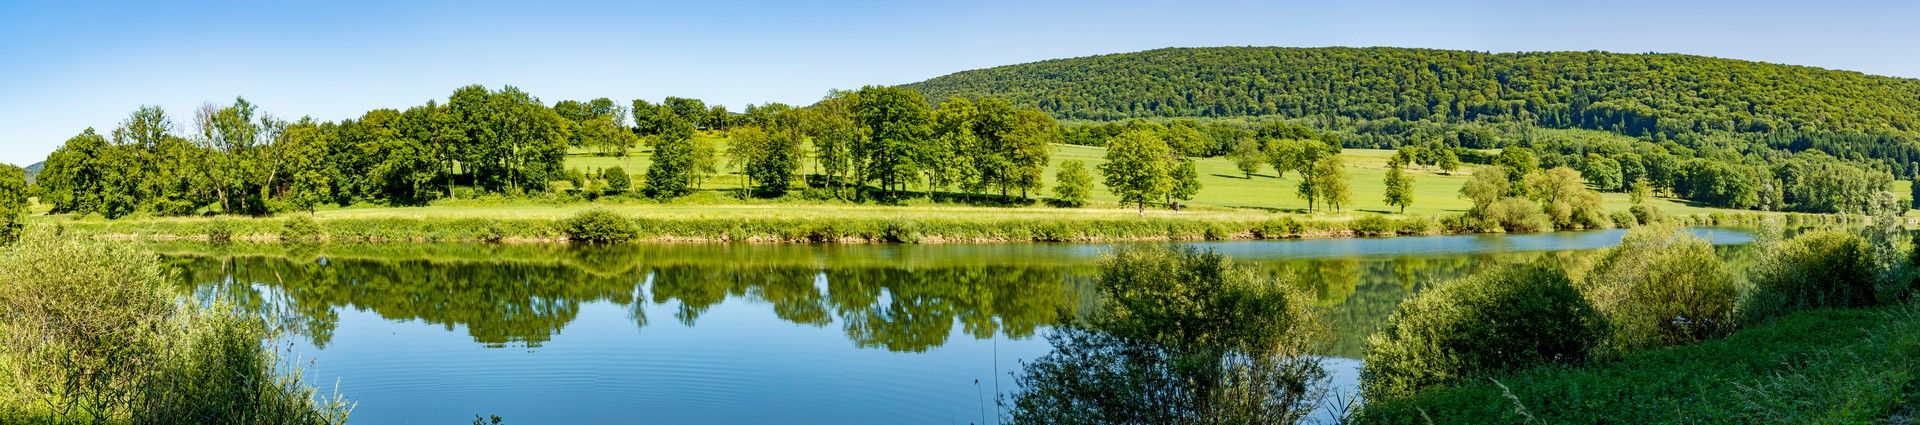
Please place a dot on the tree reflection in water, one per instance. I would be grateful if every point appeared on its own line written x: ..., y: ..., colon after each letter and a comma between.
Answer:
x: 526, y: 300
x: 1181, y: 337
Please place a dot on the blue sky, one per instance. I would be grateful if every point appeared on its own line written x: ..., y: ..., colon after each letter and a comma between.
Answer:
x: 67, y: 65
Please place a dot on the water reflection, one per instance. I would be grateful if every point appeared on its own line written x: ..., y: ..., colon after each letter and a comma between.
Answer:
x: 898, y: 298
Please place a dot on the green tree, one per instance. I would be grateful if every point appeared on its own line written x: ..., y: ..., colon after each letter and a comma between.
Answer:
x: 769, y: 157
x: 307, y: 183
x: 1186, y: 181
x: 1640, y: 190
x: 1246, y: 156
x: 14, y: 202
x: 1518, y: 161
x: 1328, y: 179
x: 1074, y: 185
x: 1487, y: 185
x: 1399, y: 185
x: 1137, y: 168
x: 1567, y: 202
x: 617, y: 179
x: 1602, y: 172
x: 1447, y: 159
x: 671, y: 174
x: 895, y: 119
x: 831, y: 127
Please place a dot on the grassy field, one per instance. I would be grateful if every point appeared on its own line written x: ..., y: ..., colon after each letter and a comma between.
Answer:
x: 1223, y: 187
x: 1229, y: 205
x: 1829, y: 366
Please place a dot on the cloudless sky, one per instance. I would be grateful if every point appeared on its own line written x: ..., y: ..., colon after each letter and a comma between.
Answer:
x: 69, y: 65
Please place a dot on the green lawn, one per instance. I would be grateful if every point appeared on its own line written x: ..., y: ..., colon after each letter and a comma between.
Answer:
x: 1223, y: 187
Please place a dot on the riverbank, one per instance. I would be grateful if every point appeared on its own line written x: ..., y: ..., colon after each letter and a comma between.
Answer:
x: 777, y: 223
x: 1827, y: 366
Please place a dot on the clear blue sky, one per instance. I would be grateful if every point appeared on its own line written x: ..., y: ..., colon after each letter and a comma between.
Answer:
x: 67, y: 65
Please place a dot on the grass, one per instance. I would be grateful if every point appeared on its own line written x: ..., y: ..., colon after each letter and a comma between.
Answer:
x: 1826, y: 366
x: 1229, y: 205
x: 1222, y: 185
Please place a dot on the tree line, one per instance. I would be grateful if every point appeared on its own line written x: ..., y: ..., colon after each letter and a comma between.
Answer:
x: 235, y: 159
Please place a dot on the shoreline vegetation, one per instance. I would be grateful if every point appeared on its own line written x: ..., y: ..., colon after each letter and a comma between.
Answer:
x: 909, y: 227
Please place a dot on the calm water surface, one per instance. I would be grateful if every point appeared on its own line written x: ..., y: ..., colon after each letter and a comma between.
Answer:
x: 739, y: 334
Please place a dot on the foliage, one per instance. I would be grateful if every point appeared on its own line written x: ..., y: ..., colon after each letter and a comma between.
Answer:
x: 13, y: 203
x: 300, y: 228
x: 93, y: 333
x: 1186, y: 181
x: 618, y: 181
x: 1184, y: 337
x: 1813, y: 270
x: 671, y: 174
x: 599, y: 226
x: 1507, y: 319
x: 1825, y: 366
x: 1327, y: 181
x: 1247, y: 157
x: 1399, y: 185
x: 1662, y: 287
x: 1567, y: 202
x: 1073, y: 185
x: 1137, y: 168
x: 769, y: 157
x: 1633, y: 94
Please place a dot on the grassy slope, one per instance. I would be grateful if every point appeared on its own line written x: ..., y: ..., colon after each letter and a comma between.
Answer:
x: 1830, y: 366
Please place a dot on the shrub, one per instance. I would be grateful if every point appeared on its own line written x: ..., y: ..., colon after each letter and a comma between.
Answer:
x: 1624, y: 219
x: 1813, y: 270
x: 1662, y: 287
x: 1516, y: 215
x: 599, y: 226
x: 1184, y: 336
x: 91, y: 328
x: 300, y: 228
x: 1648, y: 215
x: 1509, y: 318
x: 219, y: 231
x: 901, y: 231
x: 1374, y: 225
x: 617, y: 179
x: 79, y: 320
x: 1419, y: 225
x: 1283, y: 227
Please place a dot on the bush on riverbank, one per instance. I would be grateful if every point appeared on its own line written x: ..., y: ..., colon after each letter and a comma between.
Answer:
x: 1506, y: 319
x: 1184, y: 337
x: 93, y: 335
x: 599, y: 226
x: 1812, y: 270
x: 1662, y: 287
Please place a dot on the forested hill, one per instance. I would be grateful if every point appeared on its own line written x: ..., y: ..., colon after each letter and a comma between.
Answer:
x: 34, y: 170
x: 1633, y: 94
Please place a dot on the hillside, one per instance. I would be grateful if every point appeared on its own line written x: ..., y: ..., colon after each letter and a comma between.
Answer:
x: 34, y: 170
x: 1632, y: 94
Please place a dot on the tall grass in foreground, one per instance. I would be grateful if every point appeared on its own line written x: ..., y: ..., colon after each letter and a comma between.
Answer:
x: 93, y: 335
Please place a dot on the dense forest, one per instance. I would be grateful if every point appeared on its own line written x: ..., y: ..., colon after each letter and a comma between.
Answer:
x: 1722, y: 132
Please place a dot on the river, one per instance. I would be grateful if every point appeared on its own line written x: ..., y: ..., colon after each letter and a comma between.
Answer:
x: 747, y: 334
